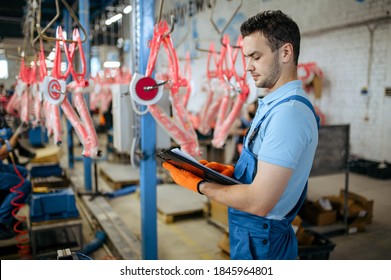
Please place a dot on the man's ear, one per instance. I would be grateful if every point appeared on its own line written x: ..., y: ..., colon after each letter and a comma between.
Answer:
x: 287, y: 53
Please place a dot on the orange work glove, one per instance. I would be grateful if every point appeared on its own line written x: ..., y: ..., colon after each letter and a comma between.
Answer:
x: 227, y: 170
x: 184, y: 178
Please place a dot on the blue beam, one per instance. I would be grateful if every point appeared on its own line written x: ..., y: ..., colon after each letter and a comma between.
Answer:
x: 84, y: 16
x: 71, y: 159
x: 148, y: 180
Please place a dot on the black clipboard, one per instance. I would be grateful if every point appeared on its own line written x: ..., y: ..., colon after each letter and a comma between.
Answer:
x: 183, y: 160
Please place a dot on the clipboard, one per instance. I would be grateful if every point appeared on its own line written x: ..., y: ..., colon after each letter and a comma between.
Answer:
x: 180, y: 159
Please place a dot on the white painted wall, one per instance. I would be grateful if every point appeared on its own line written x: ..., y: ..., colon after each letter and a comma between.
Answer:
x: 342, y: 52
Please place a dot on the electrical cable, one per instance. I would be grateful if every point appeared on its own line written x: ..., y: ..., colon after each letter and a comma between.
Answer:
x: 23, y: 242
x: 82, y: 256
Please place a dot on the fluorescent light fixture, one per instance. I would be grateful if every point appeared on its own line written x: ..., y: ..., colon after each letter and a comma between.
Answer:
x: 114, y: 18
x: 3, y: 65
x: 3, y: 69
x: 111, y: 64
x: 127, y: 9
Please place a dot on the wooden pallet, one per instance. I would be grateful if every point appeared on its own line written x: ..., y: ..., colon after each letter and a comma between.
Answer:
x: 49, y: 154
x: 170, y: 218
x: 175, y: 202
x: 120, y: 175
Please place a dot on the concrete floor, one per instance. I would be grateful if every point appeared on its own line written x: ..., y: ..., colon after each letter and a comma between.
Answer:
x: 194, y: 237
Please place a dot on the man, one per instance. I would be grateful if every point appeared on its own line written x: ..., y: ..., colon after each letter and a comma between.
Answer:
x: 14, y: 187
x: 278, y: 150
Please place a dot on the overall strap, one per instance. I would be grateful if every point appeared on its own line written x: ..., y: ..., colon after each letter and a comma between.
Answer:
x: 292, y: 214
x: 293, y: 97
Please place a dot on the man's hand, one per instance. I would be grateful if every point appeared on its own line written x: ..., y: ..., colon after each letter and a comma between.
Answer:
x: 183, y: 178
x: 227, y: 170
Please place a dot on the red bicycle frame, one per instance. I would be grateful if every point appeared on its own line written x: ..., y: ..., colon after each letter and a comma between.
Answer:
x: 180, y: 128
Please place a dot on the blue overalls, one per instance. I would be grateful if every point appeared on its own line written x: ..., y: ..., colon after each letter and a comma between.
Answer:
x: 253, y: 237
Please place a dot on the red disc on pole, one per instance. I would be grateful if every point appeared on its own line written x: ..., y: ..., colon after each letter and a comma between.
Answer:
x: 145, y: 90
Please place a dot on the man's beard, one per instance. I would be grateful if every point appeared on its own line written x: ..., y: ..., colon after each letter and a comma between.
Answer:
x: 274, y: 75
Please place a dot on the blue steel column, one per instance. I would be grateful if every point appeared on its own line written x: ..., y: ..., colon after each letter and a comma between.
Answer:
x: 146, y: 11
x: 84, y: 17
x: 71, y: 160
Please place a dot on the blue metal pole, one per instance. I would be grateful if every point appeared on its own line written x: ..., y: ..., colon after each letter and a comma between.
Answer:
x: 148, y: 143
x: 84, y: 17
x: 71, y: 159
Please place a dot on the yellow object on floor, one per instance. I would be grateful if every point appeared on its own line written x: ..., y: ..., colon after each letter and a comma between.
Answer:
x: 50, y: 154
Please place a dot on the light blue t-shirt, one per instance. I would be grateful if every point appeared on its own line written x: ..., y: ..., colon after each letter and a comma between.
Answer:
x: 287, y: 137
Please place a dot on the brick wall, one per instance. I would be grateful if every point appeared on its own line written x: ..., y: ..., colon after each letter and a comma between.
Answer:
x: 336, y: 38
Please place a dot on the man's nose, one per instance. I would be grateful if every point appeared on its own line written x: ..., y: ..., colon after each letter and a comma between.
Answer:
x: 249, y: 66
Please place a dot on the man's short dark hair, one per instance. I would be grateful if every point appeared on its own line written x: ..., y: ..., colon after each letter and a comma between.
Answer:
x: 277, y: 27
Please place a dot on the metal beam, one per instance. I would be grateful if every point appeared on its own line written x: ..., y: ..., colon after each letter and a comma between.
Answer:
x: 145, y: 13
x: 84, y: 17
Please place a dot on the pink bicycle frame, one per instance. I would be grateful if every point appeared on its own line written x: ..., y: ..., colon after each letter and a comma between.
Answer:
x: 209, y: 112
x: 225, y: 121
x: 83, y: 126
x: 181, y: 128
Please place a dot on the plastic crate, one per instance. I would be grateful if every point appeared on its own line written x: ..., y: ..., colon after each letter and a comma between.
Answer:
x: 320, y: 249
x: 361, y: 166
x: 380, y: 171
x: 51, y: 182
x: 46, y: 170
x: 60, y: 204
x: 38, y: 136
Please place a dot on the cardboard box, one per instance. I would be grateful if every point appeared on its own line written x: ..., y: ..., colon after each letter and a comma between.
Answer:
x: 224, y: 244
x: 218, y: 214
x: 362, y: 208
x: 316, y: 215
x: 296, y: 224
x: 304, y: 238
x: 358, y: 225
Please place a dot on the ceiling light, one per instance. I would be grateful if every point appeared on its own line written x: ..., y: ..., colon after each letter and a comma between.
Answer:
x: 111, y: 64
x: 3, y: 69
x: 113, y: 19
x: 127, y: 9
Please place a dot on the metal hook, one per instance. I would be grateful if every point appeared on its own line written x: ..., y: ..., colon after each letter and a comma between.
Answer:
x: 226, y: 25
x: 225, y: 45
x: 203, y: 50
x: 73, y: 16
x: 38, y: 26
x: 160, y: 10
x: 147, y: 88
x: 172, y: 22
